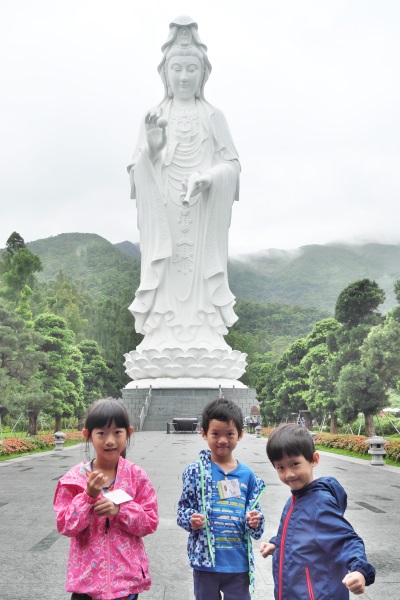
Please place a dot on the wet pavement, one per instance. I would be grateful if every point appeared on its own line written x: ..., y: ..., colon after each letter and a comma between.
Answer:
x: 33, y: 555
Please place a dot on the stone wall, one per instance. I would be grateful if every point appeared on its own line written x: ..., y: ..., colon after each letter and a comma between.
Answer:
x: 167, y: 403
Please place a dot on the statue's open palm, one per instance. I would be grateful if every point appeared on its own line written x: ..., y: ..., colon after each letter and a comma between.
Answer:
x: 156, y: 134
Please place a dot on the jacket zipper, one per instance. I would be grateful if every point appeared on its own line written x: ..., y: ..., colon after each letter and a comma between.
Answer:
x: 249, y: 547
x: 107, y: 528
x: 282, y: 549
x: 203, y: 501
x: 309, y: 584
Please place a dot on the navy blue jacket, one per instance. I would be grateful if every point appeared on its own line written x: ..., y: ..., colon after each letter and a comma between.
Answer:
x: 315, y: 545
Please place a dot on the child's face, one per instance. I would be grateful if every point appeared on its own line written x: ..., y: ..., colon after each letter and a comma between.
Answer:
x: 108, y: 442
x: 222, y: 439
x: 296, y: 471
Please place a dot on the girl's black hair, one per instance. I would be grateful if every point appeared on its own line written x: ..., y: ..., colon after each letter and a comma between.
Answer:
x: 222, y: 410
x: 290, y: 439
x: 103, y: 413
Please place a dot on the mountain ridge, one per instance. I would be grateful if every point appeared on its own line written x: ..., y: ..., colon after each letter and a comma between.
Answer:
x: 312, y: 275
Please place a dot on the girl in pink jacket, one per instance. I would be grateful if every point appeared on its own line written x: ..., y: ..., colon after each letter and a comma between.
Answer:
x: 106, y: 506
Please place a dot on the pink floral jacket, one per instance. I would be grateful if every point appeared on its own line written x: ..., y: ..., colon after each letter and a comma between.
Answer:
x: 107, y: 558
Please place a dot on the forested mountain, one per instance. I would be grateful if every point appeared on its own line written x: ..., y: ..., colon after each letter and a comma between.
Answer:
x: 130, y: 249
x: 109, y: 275
x: 311, y: 275
x: 308, y: 276
x: 314, y: 275
x: 107, y: 280
x: 89, y: 258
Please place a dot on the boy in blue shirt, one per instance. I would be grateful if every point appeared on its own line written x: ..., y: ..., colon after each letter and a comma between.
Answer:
x: 219, y: 508
x: 316, y: 552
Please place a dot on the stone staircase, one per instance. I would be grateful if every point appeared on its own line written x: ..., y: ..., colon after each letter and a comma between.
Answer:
x: 167, y: 403
x: 162, y: 410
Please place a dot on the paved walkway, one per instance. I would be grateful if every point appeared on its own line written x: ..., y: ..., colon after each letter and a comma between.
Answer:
x: 33, y: 555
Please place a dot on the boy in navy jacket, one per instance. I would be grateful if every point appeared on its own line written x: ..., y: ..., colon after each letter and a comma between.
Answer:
x: 316, y: 552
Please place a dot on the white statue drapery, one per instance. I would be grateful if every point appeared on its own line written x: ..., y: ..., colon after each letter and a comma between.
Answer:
x: 183, y: 305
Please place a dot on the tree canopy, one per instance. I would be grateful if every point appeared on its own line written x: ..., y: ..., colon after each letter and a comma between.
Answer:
x: 359, y: 302
x: 17, y: 268
x: 342, y: 367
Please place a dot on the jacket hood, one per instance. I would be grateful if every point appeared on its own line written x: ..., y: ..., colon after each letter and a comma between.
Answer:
x: 329, y: 485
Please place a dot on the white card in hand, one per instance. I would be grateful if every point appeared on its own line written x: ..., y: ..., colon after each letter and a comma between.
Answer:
x: 117, y: 496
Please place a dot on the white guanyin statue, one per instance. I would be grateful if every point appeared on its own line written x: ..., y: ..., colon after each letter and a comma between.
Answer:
x: 185, y: 177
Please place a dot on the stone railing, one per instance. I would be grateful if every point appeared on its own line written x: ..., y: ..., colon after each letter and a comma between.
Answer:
x: 145, y: 410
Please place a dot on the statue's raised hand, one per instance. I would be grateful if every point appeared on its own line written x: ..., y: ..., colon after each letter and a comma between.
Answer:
x: 156, y: 133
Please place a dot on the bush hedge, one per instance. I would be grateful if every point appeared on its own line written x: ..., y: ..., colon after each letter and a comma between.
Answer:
x: 35, y: 442
x: 352, y: 443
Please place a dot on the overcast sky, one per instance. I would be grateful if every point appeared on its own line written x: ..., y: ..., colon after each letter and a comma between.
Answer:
x: 310, y: 89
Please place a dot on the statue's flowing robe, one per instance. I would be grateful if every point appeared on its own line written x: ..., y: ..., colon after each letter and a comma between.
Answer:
x: 184, y: 300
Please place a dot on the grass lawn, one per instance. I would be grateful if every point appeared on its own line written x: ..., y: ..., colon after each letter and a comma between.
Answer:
x: 8, y: 433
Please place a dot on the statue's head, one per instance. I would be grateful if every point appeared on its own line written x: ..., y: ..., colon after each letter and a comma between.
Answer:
x: 184, y: 41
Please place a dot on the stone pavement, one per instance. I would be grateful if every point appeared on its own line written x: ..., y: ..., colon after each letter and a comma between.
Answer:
x: 33, y: 555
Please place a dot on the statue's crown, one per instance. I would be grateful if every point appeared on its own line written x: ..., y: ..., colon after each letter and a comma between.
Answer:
x: 182, y: 21
x: 183, y: 33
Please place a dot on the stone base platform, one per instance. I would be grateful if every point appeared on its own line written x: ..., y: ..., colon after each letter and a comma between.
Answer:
x: 176, y: 398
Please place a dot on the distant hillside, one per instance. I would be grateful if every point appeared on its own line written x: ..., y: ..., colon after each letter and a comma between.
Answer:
x: 88, y: 257
x: 130, y: 249
x: 310, y: 276
x: 314, y: 275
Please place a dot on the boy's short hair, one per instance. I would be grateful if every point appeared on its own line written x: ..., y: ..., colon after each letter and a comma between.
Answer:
x: 222, y: 410
x: 290, y: 439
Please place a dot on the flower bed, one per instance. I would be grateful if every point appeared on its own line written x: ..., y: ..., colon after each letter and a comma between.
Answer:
x: 352, y: 443
x: 35, y: 442
x: 393, y: 451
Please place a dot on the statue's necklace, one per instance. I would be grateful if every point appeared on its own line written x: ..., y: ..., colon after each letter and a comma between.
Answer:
x: 185, y: 121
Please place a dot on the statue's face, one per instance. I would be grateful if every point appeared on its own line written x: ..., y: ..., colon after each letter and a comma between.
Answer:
x: 184, y: 76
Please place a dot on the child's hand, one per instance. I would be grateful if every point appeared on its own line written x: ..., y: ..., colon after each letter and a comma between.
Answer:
x: 355, y: 582
x: 105, y: 506
x: 267, y: 549
x: 197, y: 521
x: 253, y: 518
x: 95, y: 483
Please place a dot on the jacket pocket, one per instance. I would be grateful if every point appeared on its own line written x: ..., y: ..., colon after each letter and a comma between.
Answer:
x: 309, y: 585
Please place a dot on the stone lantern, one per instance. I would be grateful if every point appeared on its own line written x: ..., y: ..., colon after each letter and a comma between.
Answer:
x: 377, y: 450
x: 59, y: 439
